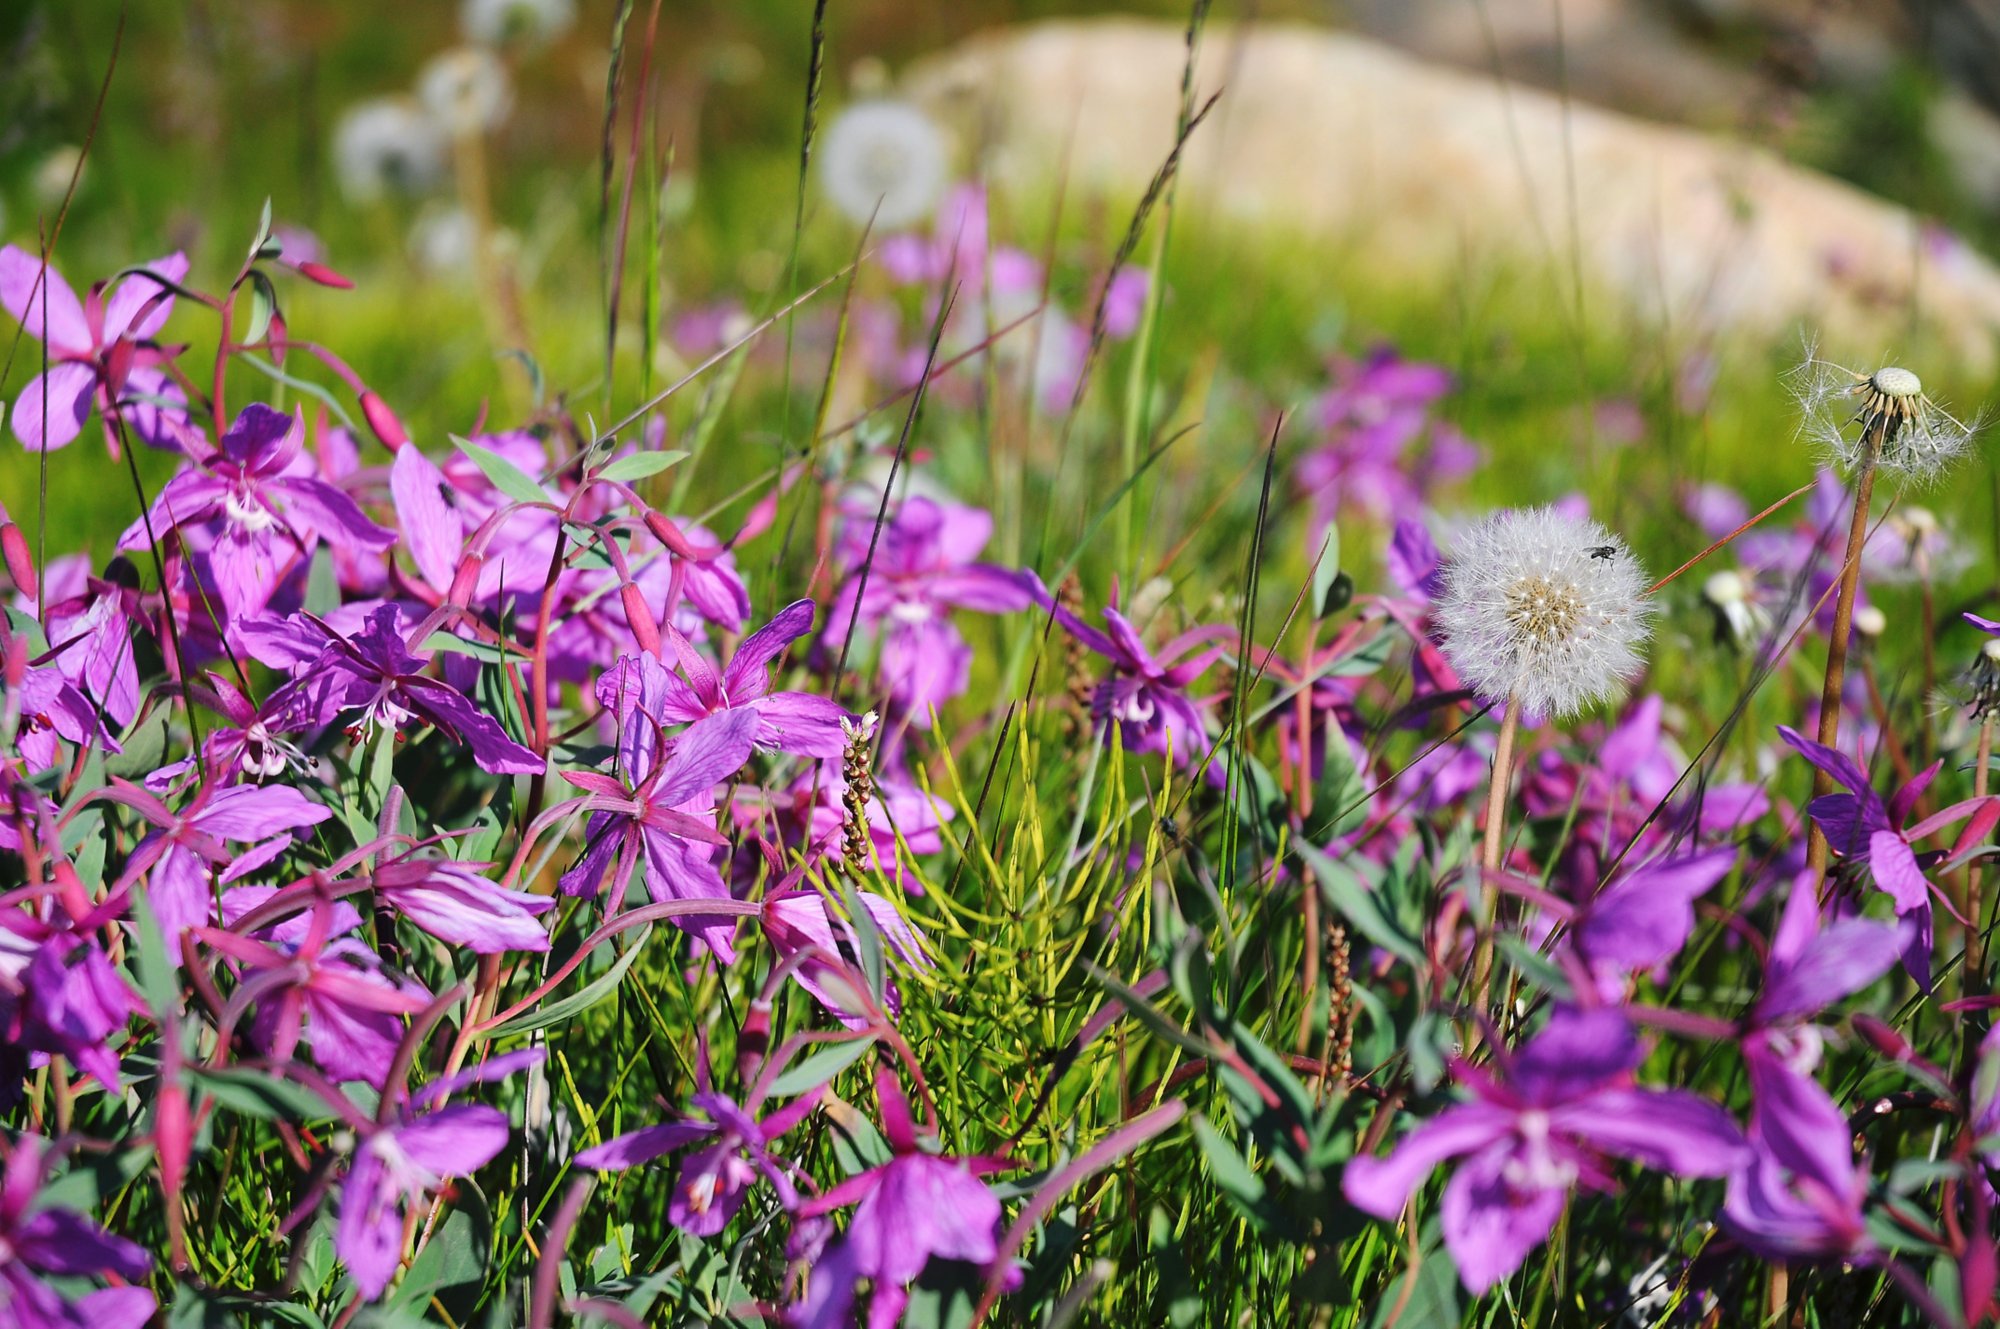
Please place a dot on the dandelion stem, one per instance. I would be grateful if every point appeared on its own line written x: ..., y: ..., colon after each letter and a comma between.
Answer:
x: 1492, y: 846
x: 1843, y: 623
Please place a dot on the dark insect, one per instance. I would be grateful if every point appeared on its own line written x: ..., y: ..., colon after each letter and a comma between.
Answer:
x: 1602, y: 551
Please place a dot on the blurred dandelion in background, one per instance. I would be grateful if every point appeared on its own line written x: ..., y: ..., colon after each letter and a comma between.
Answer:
x: 387, y: 146
x: 527, y: 22
x: 883, y: 162
x: 466, y: 90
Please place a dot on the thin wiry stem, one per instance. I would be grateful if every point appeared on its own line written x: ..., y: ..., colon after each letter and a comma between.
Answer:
x: 1843, y: 623
x: 1492, y: 846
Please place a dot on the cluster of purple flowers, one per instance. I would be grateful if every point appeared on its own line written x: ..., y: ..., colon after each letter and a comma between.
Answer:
x: 371, y: 749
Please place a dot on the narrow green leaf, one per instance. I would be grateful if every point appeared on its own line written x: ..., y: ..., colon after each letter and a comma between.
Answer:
x: 819, y: 1068
x: 640, y: 465
x: 577, y: 1002
x: 508, y: 478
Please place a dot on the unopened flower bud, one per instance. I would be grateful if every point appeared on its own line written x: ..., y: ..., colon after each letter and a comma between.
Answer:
x: 20, y: 562
x: 639, y: 617
x: 383, y: 422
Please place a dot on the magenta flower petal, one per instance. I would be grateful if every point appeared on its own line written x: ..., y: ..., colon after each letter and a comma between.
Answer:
x: 1490, y: 1222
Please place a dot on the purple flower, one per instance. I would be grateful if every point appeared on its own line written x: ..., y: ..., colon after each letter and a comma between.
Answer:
x: 38, y: 1242
x: 47, y: 708
x: 1567, y: 1101
x: 1144, y: 697
x: 1376, y: 409
x: 1799, y: 1192
x: 913, y: 1209
x: 714, y: 1178
x: 67, y: 999
x: 404, y: 1158
x: 900, y: 817
x: 1869, y: 834
x: 253, y: 743
x: 454, y: 903
x: 184, y: 846
x: 101, y: 352
x: 90, y: 635
x: 661, y: 808
x: 800, y: 921
x: 1642, y: 917
x: 924, y: 567
x: 797, y: 722
x: 262, y: 508
x: 375, y: 674
x: 316, y: 985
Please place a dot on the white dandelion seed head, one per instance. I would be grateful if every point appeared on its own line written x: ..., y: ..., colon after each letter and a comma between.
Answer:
x: 466, y: 89
x: 1840, y: 408
x: 883, y: 160
x: 529, y: 22
x: 1548, y: 608
x: 387, y: 145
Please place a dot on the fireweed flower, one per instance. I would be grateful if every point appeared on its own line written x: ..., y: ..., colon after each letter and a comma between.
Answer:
x: 1799, y: 1193
x: 1371, y: 419
x: 406, y: 1156
x: 61, y: 996
x: 1878, y: 837
x: 661, y: 808
x: 882, y: 162
x: 1919, y: 439
x: 40, y: 1242
x: 1544, y: 607
x: 319, y: 986
x: 387, y: 146
x: 375, y: 678
x: 714, y: 1179
x: 925, y: 566
x: 797, y: 722
x: 101, y: 352
x: 896, y: 809
x: 184, y: 847
x: 1566, y: 1102
x: 455, y: 903
x: 1144, y: 698
x: 917, y: 1207
x: 261, y: 506
x: 800, y: 920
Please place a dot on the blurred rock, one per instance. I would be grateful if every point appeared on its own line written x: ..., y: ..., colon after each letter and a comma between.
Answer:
x: 1427, y: 168
x: 1967, y: 135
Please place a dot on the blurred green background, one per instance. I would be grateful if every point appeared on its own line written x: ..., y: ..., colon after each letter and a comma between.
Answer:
x: 214, y: 107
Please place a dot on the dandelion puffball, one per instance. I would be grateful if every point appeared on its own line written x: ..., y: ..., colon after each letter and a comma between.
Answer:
x: 1843, y: 412
x: 386, y: 146
x: 532, y: 22
x: 466, y: 90
x: 882, y: 161
x: 1543, y: 607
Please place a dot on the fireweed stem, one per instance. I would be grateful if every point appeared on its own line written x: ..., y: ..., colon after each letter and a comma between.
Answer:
x: 1843, y: 623
x: 1492, y: 846
x: 1974, y: 977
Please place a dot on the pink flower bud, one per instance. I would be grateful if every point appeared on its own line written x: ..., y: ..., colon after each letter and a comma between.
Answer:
x: 465, y: 581
x: 20, y: 563
x: 383, y: 421
x: 325, y: 276
x: 639, y: 617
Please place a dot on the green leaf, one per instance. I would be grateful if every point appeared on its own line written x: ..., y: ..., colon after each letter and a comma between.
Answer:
x: 159, y: 976
x: 260, y: 1094
x: 1426, y: 1292
x: 1537, y: 968
x: 264, y: 240
x: 455, y: 1257
x: 263, y: 308
x: 144, y: 748
x: 322, y: 583
x: 508, y: 478
x: 1367, y: 658
x: 820, y: 1067
x: 579, y: 1001
x: 640, y: 465
x: 1227, y: 1166
x: 1326, y: 572
x: 1357, y: 905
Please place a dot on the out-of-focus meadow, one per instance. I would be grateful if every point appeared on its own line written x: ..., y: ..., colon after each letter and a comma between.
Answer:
x: 212, y: 109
